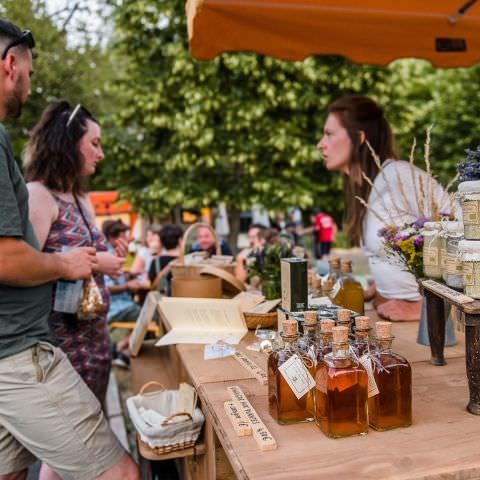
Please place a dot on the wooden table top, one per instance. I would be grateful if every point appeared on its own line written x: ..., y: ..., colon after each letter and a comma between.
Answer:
x: 441, y: 444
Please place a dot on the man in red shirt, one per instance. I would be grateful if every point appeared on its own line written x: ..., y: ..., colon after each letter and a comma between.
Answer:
x: 324, y: 229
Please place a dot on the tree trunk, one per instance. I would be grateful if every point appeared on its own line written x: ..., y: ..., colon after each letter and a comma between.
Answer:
x: 234, y: 223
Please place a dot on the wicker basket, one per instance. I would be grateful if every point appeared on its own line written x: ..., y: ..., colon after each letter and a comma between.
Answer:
x: 178, y: 267
x: 263, y: 320
x: 168, y: 436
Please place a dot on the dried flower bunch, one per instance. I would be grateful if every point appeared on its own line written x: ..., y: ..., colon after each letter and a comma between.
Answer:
x: 403, y: 244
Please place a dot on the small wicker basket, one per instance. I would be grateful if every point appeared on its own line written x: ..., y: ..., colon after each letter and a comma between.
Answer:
x: 263, y: 320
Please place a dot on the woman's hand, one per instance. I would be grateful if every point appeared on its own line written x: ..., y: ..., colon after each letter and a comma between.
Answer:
x: 109, y: 264
x: 121, y: 247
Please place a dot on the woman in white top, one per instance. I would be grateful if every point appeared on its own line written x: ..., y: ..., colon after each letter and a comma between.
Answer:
x: 351, y: 121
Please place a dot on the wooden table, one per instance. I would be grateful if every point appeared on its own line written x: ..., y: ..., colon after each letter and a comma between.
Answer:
x: 440, y: 445
x: 436, y: 319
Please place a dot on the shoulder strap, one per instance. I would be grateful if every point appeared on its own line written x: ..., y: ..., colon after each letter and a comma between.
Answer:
x: 84, y: 219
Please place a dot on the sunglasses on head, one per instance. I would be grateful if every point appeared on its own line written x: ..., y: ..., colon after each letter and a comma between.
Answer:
x: 25, y: 38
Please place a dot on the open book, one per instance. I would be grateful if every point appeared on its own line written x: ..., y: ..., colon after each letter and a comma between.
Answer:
x: 201, y: 320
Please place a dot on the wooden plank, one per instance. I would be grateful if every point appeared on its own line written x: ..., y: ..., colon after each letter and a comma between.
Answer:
x: 262, y: 436
x: 238, y: 419
x: 470, y: 306
x: 251, y: 367
x: 440, y: 445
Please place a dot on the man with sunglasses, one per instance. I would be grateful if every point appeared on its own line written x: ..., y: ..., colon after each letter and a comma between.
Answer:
x: 46, y: 410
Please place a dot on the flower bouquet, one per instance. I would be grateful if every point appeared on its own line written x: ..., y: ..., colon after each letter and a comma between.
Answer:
x: 403, y: 246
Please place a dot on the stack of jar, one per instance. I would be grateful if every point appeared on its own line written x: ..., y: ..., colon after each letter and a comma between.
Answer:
x: 469, y: 248
x: 342, y: 402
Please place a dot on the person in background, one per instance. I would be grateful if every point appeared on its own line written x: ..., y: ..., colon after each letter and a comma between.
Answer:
x: 159, y: 274
x: 351, y: 122
x: 256, y: 241
x: 145, y: 254
x: 66, y: 426
x: 122, y: 307
x: 206, y: 243
x: 324, y: 229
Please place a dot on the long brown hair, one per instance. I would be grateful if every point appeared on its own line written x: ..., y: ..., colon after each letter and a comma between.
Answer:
x: 361, y: 114
x: 52, y: 154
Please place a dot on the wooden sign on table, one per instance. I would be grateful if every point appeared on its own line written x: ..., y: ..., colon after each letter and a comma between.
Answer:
x: 262, y: 436
x: 251, y: 367
x: 141, y: 325
x: 239, y: 421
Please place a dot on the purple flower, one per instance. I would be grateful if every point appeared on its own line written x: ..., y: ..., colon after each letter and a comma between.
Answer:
x: 418, y: 241
x: 420, y: 222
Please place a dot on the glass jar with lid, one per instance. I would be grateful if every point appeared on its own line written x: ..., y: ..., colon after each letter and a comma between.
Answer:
x: 470, y: 197
x: 470, y: 251
x: 453, y: 263
x: 431, y: 250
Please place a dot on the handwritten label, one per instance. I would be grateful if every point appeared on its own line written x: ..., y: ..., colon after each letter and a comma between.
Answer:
x: 430, y: 256
x: 238, y: 419
x: 453, y: 264
x: 470, y: 212
x: 297, y: 376
x: 252, y: 367
x: 448, y: 292
x: 262, y: 436
x: 372, y: 384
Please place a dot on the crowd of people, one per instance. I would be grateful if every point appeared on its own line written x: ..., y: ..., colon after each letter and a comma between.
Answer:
x: 56, y: 364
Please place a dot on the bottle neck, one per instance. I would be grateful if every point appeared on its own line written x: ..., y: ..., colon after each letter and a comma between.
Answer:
x: 340, y: 350
x: 288, y: 341
x: 326, y: 337
x: 309, y: 330
x: 361, y: 335
x: 384, y: 344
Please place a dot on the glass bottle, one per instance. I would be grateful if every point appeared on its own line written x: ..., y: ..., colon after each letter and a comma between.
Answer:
x: 392, y: 407
x: 341, y: 391
x: 308, y: 345
x: 283, y: 405
x: 361, y: 343
x: 332, y: 276
x: 344, y: 318
x: 348, y: 292
x: 325, y: 337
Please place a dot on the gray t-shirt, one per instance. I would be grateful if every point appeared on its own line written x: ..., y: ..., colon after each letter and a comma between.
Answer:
x: 23, y: 310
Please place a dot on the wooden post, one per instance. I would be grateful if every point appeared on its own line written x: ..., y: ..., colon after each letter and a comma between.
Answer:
x: 436, y: 326
x: 472, y: 357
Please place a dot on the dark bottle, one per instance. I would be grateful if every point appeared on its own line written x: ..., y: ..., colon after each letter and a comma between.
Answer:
x: 341, y: 391
x: 392, y: 407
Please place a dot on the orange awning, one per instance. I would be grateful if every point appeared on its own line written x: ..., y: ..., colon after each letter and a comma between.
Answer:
x: 445, y: 32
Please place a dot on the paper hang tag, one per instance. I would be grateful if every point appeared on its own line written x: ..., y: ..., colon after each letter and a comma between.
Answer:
x: 372, y: 384
x: 297, y: 376
x: 218, y: 350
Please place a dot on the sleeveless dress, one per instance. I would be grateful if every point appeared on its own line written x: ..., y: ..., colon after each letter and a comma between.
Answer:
x: 86, y: 342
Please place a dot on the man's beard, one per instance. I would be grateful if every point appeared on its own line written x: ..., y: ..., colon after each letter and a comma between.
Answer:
x: 14, y: 101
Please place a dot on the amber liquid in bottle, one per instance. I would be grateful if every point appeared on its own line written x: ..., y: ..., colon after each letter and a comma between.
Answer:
x: 308, y: 346
x: 283, y: 405
x: 347, y: 292
x: 341, y: 394
x: 392, y: 407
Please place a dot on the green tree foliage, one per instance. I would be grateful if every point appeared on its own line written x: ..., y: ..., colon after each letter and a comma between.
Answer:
x: 241, y: 128
x: 78, y: 73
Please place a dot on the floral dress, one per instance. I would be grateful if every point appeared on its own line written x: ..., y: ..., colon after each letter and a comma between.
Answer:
x: 86, y: 342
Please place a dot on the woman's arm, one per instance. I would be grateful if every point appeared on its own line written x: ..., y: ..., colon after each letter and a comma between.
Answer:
x: 138, y: 264
x: 43, y: 210
x: 109, y: 264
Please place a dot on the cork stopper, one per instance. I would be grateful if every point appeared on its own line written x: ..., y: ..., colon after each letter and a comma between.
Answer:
x: 346, y: 266
x: 334, y: 262
x: 290, y: 328
x: 383, y: 330
x: 327, y: 285
x: 310, y: 317
x: 362, y: 323
x: 326, y: 325
x: 340, y: 334
x: 343, y: 315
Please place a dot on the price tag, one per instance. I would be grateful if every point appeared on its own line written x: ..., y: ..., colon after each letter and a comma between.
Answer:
x: 297, y: 376
x: 372, y: 384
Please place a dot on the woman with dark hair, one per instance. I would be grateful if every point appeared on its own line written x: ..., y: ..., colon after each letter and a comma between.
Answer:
x: 351, y: 123
x: 63, y: 151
